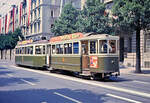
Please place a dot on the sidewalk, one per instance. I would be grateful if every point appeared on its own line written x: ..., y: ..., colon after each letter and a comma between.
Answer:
x: 131, y: 70
x: 7, y: 61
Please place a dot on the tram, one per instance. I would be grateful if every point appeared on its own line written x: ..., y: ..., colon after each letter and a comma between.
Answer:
x: 31, y: 54
x: 89, y: 54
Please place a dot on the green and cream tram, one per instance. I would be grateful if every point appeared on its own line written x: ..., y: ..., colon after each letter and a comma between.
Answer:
x: 31, y: 54
x: 85, y: 54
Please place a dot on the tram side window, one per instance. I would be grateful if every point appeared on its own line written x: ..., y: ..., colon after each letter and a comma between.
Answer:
x: 103, y: 46
x: 38, y: 49
x: 43, y: 49
x: 53, y: 49
x: 112, y: 44
x: 16, y: 52
x: 23, y: 50
x: 106, y: 47
x: 31, y: 50
x: 59, y: 49
x: 68, y: 48
x: 76, y: 48
x: 93, y: 47
x: 19, y: 50
x: 26, y: 49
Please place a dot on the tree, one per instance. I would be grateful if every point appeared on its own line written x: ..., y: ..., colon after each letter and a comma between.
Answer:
x: 14, y: 38
x: 133, y: 14
x: 2, y: 44
x: 66, y: 22
x: 93, y: 18
x: 9, y: 41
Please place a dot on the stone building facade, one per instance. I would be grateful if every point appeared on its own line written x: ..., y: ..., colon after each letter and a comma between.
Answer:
x: 43, y: 13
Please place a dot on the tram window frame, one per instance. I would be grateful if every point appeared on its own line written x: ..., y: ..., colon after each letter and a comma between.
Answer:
x: 95, y: 49
x: 68, y: 48
x: 75, y: 49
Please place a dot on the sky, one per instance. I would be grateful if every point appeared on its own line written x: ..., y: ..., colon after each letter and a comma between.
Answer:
x: 5, y: 5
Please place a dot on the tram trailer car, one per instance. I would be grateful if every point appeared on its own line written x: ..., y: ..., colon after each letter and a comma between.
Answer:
x: 31, y: 54
x: 94, y: 55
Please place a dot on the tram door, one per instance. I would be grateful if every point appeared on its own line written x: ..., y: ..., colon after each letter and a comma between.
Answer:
x: 85, y: 56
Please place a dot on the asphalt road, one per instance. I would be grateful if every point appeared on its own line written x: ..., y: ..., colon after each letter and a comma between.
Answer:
x: 23, y: 85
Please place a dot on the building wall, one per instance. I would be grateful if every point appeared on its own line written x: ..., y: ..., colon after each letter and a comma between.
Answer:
x: 41, y: 24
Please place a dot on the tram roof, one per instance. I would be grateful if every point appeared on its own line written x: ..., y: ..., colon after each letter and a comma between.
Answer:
x: 82, y: 36
x: 89, y: 36
x: 23, y: 43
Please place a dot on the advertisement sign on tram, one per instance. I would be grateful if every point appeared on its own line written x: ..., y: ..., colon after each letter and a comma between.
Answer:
x: 93, y: 61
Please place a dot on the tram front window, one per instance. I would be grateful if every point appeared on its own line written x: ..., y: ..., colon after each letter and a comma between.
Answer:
x: 112, y: 43
x: 93, y: 47
x: 103, y: 46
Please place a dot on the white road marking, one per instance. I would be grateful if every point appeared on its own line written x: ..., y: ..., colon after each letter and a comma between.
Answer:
x: 140, y: 82
x: 10, y: 75
x: 28, y: 82
x: 74, y: 100
x: 123, y: 98
x: 43, y: 102
x: 145, y: 75
x: 143, y: 94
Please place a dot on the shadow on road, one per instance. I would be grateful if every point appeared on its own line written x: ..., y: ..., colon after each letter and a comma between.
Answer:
x: 13, y: 80
x: 5, y: 72
x: 50, y: 96
x: 3, y: 68
x: 145, y: 71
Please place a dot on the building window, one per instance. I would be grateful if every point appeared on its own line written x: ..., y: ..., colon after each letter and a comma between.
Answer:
x: 34, y: 27
x: 39, y: 11
x: 31, y: 16
x: 39, y: 26
x: 53, y: 2
x: 39, y: 1
x: 35, y: 13
x: 31, y: 28
x: 52, y: 13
